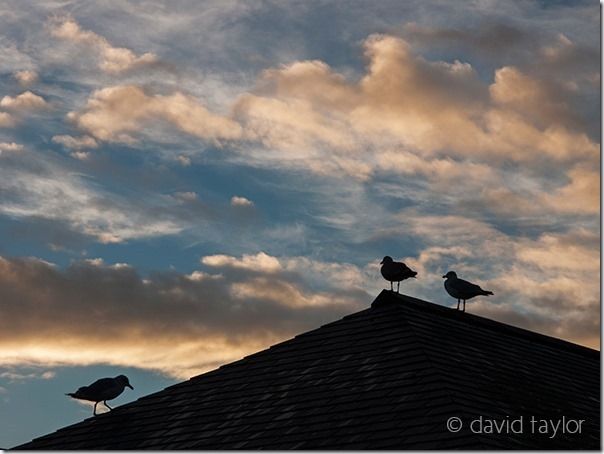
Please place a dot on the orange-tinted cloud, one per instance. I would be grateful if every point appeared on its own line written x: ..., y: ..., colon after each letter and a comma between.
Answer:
x: 25, y: 101
x: 179, y: 324
x: 115, y: 113
x: 26, y: 77
x: 113, y: 60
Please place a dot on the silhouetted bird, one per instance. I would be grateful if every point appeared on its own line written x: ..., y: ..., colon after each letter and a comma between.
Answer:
x: 102, y: 390
x: 462, y: 290
x: 395, y: 272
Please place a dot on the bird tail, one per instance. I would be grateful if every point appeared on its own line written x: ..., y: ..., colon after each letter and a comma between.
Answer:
x: 70, y: 395
x: 487, y: 292
x: 414, y: 274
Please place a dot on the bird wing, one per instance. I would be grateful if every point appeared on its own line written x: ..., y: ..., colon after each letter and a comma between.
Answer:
x: 467, y: 287
x: 103, y: 389
x: 404, y: 268
x: 100, y: 385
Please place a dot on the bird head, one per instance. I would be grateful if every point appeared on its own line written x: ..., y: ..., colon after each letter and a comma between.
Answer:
x: 386, y: 259
x: 450, y: 274
x: 123, y: 380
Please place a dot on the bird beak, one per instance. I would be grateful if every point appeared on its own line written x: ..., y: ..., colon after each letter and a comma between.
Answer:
x: 129, y: 386
x: 382, y: 262
x: 444, y: 276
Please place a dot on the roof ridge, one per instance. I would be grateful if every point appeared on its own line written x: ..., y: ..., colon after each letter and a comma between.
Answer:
x: 388, y: 298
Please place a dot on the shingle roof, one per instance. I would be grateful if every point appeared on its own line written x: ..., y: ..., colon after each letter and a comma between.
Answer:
x: 387, y: 377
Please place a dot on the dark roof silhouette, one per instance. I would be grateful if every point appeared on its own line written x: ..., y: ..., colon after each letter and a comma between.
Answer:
x: 387, y: 377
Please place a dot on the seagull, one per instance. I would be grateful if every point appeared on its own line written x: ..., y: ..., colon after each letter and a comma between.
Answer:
x: 462, y: 290
x: 102, y: 390
x: 395, y: 272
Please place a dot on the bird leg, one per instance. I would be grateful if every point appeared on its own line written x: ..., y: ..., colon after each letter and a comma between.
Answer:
x: 457, y: 303
x: 391, y: 287
x: 398, y: 286
x: 464, y: 306
x: 94, y: 410
x: 105, y: 403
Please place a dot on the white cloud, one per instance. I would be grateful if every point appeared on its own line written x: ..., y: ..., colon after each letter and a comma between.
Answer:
x: 80, y: 155
x: 17, y: 377
x: 259, y: 262
x: 184, y: 161
x: 75, y: 142
x: 320, y: 274
x: 10, y: 147
x: 238, y: 201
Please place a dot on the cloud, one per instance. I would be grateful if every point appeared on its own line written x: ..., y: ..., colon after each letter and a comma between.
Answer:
x: 548, y: 284
x: 49, y: 192
x: 308, y: 114
x: 115, y: 113
x: 178, y: 324
x: 543, y: 103
x: 489, y: 37
x: 418, y: 103
x: 499, y: 147
x: 75, y: 142
x: 577, y: 250
x: 26, y: 77
x: 188, y: 196
x: 184, y: 161
x: 25, y: 101
x: 113, y: 60
x: 580, y: 195
x: 182, y: 324
x: 6, y: 120
x: 434, y: 122
x: 80, y: 155
x: 568, y: 60
x: 238, y: 201
x: 261, y: 262
x: 10, y: 147
x: 16, y: 377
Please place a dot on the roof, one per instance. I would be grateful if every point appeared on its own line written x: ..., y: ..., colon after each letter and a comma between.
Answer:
x: 386, y: 377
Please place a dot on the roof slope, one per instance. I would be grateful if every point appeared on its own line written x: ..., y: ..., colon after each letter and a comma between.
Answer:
x: 389, y: 377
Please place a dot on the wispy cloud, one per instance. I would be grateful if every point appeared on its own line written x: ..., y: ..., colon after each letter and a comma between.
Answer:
x: 51, y: 192
x: 19, y: 377
x: 77, y: 143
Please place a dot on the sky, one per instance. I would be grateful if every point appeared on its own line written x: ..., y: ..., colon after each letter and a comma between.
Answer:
x: 185, y: 183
